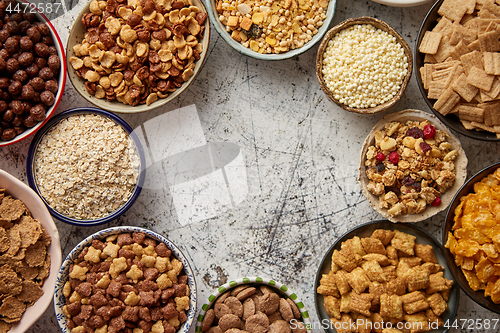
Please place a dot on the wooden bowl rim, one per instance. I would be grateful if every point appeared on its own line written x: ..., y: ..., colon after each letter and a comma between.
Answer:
x: 377, y: 24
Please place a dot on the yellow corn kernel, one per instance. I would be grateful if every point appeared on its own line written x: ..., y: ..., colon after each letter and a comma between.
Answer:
x: 254, y: 45
x: 271, y: 39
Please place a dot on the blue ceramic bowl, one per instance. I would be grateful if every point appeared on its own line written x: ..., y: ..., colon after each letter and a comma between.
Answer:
x: 30, y: 165
x: 63, y: 276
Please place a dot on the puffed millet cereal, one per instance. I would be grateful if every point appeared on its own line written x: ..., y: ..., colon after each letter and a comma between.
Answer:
x: 86, y: 167
x: 267, y: 26
x: 364, y: 66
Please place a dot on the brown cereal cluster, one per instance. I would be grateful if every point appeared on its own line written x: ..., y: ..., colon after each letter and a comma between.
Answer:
x: 410, y: 166
x: 126, y: 283
x: 267, y: 26
x: 29, y: 66
x: 137, y: 51
x: 253, y: 309
x: 385, y: 277
x: 24, y: 260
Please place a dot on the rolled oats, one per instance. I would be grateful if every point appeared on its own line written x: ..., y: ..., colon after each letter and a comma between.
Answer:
x: 86, y: 167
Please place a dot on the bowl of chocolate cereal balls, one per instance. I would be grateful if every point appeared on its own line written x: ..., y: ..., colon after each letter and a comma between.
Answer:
x: 271, y: 30
x: 363, y: 65
x: 32, y: 71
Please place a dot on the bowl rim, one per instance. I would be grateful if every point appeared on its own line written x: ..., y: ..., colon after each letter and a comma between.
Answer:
x: 379, y: 24
x: 252, y: 280
x: 261, y: 56
x: 30, y: 161
x: 391, y: 226
x: 119, y: 107
x: 62, y: 78
x: 55, y: 252
x: 402, y: 3
x: 460, y: 165
x: 454, y: 125
x: 59, y: 298
x: 476, y: 296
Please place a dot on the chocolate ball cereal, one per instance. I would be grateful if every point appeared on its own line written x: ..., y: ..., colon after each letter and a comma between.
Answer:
x: 28, y: 65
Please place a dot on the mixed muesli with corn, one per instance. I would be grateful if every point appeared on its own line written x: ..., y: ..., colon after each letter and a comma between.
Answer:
x: 410, y: 166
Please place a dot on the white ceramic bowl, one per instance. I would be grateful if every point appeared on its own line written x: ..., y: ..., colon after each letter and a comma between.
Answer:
x: 35, y: 205
x: 62, y: 277
x: 61, y: 79
x: 402, y: 3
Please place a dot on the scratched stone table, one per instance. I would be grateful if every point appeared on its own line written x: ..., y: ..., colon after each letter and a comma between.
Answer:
x: 269, y: 174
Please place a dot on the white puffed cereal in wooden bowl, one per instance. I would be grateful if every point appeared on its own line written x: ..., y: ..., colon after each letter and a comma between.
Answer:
x: 363, y: 65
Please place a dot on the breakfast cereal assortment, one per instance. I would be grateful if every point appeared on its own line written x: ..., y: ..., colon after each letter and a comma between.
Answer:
x: 385, y: 277
x: 462, y: 63
x: 24, y: 260
x: 409, y: 166
x: 474, y: 239
x: 126, y: 281
x: 253, y: 309
x: 135, y: 51
x: 267, y: 26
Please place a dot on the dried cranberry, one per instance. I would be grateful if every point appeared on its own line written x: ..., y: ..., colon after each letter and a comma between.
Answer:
x: 394, y: 157
x: 380, y: 167
x: 417, y: 187
x: 408, y: 181
x: 429, y: 131
x: 425, y: 147
x: 380, y: 157
x: 436, y: 202
x: 392, y: 189
x: 415, y: 132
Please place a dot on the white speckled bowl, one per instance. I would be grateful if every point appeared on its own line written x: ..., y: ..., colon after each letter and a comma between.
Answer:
x: 62, y: 277
x: 35, y: 205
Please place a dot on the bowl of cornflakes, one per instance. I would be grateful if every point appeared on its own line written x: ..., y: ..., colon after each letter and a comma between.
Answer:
x: 143, y: 280
x: 381, y: 272
x: 471, y: 235
x: 31, y: 255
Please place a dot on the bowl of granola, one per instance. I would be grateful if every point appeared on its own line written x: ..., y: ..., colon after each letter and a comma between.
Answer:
x: 143, y: 56
x: 411, y: 166
x: 31, y: 255
x: 87, y: 165
x: 383, y: 272
x: 271, y: 30
x: 253, y: 304
x: 129, y: 276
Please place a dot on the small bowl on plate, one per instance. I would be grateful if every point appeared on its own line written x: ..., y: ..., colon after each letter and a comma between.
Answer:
x: 18, y: 190
x: 77, y: 35
x: 253, y: 287
x: 460, y: 164
x: 365, y: 230
x: 46, y: 152
x: 61, y: 77
x: 111, y: 236
x: 477, y: 296
x: 450, y: 120
x: 378, y: 24
x: 221, y: 29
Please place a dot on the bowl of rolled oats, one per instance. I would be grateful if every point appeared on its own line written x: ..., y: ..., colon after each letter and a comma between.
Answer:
x: 271, y: 30
x: 382, y: 275
x: 411, y: 166
x: 125, y: 277
x: 253, y: 304
x: 87, y: 166
x: 137, y: 56
x: 31, y: 255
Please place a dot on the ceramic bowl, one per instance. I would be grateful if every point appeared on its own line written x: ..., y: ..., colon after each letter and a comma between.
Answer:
x: 62, y: 277
x: 61, y: 78
x: 221, y: 29
x: 365, y: 230
x: 468, y: 187
x: 31, y: 166
x: 77, y: 34
x: 450, y: 120
x: 277, y: 287
x: 35, y: 205
x: 446, y: 198
x: 402, y: 3
x: 379, y: 25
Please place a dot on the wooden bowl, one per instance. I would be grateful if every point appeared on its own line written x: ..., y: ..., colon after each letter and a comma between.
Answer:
x: 379, y: 25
